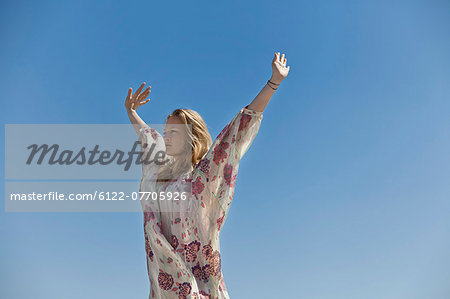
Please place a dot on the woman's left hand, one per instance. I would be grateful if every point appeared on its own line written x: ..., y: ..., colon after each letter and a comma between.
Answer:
x: 279, y: 69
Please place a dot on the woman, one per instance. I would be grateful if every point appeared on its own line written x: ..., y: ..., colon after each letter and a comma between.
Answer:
x: 182, y: 236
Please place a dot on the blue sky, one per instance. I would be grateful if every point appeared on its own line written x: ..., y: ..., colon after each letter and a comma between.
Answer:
x: 344, y: 193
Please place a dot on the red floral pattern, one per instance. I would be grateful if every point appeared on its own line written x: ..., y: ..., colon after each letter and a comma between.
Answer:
x: 148, y: 248
x: 228, y: 173
x: 203, y: 165
x: 165, y: 280
x: 185, y: 289
x: 200, y: 273
x: 245, y: 119
x: 197, y: 187
x: 174, y: 242
x: 188, y: 263
x: 219, y: 222
x: 220, y: 152
x: 215, y: 262
x: 207, y: 251
x: 191, y: 251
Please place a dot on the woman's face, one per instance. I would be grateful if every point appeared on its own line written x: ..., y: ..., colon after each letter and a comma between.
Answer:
x: 175, y: 137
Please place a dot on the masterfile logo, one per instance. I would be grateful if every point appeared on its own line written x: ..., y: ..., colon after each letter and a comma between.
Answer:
x: 85, y: 167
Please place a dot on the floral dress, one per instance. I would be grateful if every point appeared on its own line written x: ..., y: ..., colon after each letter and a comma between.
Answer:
x: 182, y: 239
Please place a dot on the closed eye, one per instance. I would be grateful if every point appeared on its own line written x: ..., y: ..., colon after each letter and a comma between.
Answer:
x: 171, y: 131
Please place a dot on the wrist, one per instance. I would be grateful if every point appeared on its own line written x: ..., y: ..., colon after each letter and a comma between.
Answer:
x: 275, y: 80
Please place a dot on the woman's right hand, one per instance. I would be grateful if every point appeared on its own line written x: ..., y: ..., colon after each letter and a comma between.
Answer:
x: 134, y: 101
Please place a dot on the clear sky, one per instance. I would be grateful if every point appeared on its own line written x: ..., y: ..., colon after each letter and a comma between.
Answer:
x: 345, y: 191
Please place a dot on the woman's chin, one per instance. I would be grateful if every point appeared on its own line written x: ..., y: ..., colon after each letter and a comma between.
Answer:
x: 169, y: 152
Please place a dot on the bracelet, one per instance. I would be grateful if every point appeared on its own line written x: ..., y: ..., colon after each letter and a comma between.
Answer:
x: 271, y: 87
x: 268, y: 81
x: 272, y: 82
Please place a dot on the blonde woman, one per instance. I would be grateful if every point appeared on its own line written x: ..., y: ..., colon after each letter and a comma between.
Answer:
x: 182, y: 236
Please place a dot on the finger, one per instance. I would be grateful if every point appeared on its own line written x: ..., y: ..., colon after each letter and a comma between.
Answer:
x: 147, y: 90
x: 142, y: 103
x: 278, y: 56
x: 139, y: 89
x: 285, y: 61
x: 144, y: 94
x: 130, y: 90
x: 282, y: 58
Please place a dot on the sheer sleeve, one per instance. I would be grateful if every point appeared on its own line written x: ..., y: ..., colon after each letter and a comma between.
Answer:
x: 220, y: 165
x: 153, y: 151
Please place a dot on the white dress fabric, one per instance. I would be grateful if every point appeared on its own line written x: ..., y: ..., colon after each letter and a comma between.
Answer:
x: 182, y: 237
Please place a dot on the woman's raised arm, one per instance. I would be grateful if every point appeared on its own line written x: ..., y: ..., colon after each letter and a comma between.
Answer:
x: 146, y: 135
x: 279, y: 73
x: 133, y: 102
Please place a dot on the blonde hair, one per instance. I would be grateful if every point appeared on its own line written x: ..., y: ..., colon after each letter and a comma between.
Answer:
x: 198, y: 143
